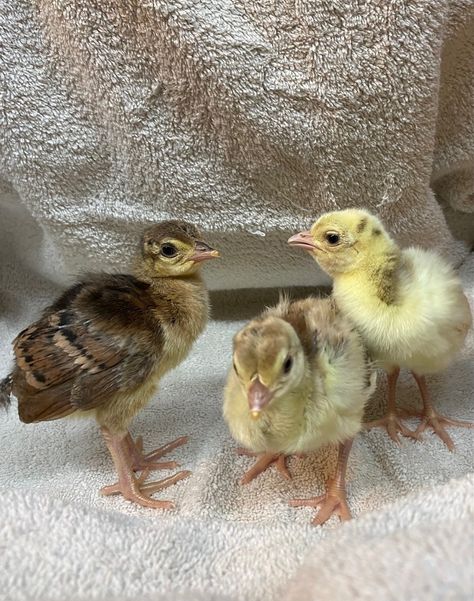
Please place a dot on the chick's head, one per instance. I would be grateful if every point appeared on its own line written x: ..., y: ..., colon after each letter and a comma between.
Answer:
x: 175, y: 248
x: 344, y: 241
x: 268, y: 361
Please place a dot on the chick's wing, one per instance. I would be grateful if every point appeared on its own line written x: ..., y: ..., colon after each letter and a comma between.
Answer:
x: 77, y: 357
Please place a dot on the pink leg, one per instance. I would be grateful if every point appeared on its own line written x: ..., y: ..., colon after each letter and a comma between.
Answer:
x: 148, y: 461
x: 263, y: 462
x: 392, y: 422
x: 431, y: 418
x: 132, y: 488
x: 334, y: 500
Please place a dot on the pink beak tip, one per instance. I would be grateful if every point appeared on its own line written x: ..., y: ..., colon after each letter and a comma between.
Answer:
x: 303, y: 240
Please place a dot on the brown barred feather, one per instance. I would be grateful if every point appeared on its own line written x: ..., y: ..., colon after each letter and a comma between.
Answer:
x: 83, y: 350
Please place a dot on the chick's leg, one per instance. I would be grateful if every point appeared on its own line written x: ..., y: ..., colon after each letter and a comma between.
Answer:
x: 132, y: 488
x: 263, y: 462
x: 431, y: 418
x: 392, y: 422
x: 334, y: 500
x: 148, y: 461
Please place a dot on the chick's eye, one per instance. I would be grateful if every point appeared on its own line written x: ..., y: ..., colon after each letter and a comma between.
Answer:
x: 287, y: 365
x: 168, y: 250
x: 332, y: 238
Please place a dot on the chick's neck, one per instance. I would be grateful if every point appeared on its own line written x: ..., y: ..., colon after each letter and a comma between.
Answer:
x: 376, y: 274
x: 145, y: 270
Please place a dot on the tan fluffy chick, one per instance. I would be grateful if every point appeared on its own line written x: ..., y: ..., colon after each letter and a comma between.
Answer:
x: 408, y: 304
x: 301, y: 377
x: 102, y: 347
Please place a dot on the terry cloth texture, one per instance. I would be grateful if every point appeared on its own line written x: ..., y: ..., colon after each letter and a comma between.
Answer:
x: 411, y: 536
x: 247, y: 117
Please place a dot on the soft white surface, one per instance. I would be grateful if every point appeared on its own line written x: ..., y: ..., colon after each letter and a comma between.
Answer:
x: 248, y: 117
x: 59, y: 538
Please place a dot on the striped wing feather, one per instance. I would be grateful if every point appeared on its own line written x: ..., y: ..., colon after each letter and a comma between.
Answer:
x: 79, y: 356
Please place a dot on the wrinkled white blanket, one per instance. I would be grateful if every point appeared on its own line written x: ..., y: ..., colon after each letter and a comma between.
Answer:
x: 411, y: 536
x: 248, y: 118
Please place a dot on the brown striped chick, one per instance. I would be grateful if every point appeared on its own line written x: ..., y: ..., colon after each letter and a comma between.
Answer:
x: 101, y: 349
x: 300, y: 380
x: 408, y: 305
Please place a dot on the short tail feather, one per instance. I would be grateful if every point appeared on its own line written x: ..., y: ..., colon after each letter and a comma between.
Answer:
x: 5, y: 391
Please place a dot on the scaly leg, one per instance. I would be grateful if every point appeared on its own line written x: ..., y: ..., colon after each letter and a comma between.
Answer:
x: 141, y: 461
x: 263, y: 462
x: 132, y: 488
x: 392, y: 422
x: 431, y: 418
x: 334, y: 500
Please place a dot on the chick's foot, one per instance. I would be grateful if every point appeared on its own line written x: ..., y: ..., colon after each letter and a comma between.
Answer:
x: 334, y: 501
x: 131, y: 487
x: 148, y: 461
x: 263, y: 462
x: 432, y: 419
x: 394, y: 426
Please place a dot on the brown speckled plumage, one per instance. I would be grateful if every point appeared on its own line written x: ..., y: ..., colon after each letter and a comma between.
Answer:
x: 384, y: 277
x: 102, y: 346
x: 99, y: 338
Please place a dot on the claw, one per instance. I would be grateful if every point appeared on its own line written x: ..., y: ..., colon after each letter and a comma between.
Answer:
x: 437, y: 422
x: 128, y: 457
x: 151, y: 487
x: 393, y: 424
x: 330, y: 503
x: 136, y: 494
x: 334, y: 501
x: 432, y: 419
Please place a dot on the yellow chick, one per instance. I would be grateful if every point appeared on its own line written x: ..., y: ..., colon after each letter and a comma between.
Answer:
x: 301, y: 377
x: 408, y: 305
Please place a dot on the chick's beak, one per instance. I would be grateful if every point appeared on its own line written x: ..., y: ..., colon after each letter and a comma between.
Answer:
x: 203, y: 252
x: 258, y: 396
x: 303, y: 240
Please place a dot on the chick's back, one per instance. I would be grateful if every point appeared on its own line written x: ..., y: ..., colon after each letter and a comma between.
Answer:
x: 426, y: 323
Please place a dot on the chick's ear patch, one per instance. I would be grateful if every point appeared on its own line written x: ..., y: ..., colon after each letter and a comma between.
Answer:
x: 151, y: 246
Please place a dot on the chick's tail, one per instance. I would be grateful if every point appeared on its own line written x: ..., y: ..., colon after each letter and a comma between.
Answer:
x: 5, y: 391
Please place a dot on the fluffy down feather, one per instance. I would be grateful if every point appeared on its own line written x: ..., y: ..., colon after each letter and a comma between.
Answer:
x: 321, y: 400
